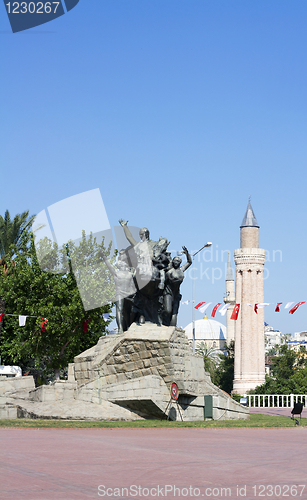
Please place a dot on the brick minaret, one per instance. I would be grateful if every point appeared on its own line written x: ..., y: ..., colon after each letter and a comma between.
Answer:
x: 249, y: 328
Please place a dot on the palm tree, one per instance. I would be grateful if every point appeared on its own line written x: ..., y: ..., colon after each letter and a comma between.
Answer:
x: 13, y: 231
x: 211, y: 356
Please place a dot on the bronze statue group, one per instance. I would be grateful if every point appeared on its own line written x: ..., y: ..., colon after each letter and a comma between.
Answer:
x: 147, y: 281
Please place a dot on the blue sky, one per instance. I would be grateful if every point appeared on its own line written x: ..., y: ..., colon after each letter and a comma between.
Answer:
x: 177, y: 111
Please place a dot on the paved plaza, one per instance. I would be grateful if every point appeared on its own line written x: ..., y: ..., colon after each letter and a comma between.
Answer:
x: 71, y: 464
x: 276, y: 412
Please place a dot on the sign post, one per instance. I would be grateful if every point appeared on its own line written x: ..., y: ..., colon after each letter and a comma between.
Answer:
x: 174, y: 400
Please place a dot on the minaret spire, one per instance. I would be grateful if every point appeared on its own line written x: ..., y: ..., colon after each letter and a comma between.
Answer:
x: 249, y: 229
x: 249, y: 219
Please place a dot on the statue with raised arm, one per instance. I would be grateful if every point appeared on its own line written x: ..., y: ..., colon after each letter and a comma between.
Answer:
x: 173, y: 279
x: 157, y: 277
x: 125, y: 292
x: 143, y: 249
x: 144, y: 234
x: 150, y: 263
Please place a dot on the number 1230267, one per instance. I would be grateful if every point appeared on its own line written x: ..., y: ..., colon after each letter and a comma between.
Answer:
x: 278, y: 490
x: 32, y: 7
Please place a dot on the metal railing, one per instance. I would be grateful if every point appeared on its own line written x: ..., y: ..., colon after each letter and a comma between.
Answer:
x: 275, y: 400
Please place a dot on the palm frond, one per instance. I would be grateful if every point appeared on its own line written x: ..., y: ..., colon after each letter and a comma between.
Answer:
x: 13, y: 231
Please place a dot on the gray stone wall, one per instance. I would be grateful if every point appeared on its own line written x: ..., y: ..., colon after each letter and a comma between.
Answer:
x: 142, y: 351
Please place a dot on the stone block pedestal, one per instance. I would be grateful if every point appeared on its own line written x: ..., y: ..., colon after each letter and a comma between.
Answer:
x: 128, y: 377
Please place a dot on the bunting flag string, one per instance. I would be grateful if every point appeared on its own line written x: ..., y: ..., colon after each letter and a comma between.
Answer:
x: 199, y: 305
x: 235, y: 312
x: 28, y: 315
x: 223, y: 309
x: 260, y: 306
x: 202, y: 309
x: 43, y: 324
x: 203, y: 306
x: 22, y: 320
x: 296, y: 307
x: 215, y: 309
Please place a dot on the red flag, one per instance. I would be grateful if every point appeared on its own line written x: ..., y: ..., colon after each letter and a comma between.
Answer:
x: 85, y: 325
x: 215, y: 309
x: 43, y: 324
x: 235, y: 312
x: 296, y: 307
x: 198, y: 305
x: 1, y: 318
x: 277, y: 307
x: 256, y: 308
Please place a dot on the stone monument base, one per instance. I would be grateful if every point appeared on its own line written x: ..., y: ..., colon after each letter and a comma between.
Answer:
x: 247, y: 383
x: 128, y: 377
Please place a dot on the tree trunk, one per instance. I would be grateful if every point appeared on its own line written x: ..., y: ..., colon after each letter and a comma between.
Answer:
x: 57, y: 373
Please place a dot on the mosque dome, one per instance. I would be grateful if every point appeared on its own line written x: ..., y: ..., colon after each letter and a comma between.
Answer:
x: 208, y: 330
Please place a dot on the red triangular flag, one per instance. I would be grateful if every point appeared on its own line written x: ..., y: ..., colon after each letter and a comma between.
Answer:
x: 43, y: 324
x: 235, y: 312
x: 85, y: 325
x: 295, y: 307
x: 198, y: 305
x: 277, y: 307
x: 256, y: 308
x: 215, y: 309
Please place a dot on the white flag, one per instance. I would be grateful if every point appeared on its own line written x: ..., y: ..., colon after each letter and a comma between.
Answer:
x: 22, y: 320
x: 289, y: 304
x: 185, y: 302
x: 264, y: 304
x: 202, y: 309
x: 223, y: 309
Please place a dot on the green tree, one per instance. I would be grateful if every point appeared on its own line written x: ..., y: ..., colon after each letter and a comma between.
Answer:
x: 224, y: 373
x: 13, y: 232
x: 211, y: 357
x: 299, y: 380
x: 31, y: 291
x: 289, y: 373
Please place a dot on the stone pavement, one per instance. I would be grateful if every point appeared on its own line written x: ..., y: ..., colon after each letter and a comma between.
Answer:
x: 71, y: 464
x: 277, y: 412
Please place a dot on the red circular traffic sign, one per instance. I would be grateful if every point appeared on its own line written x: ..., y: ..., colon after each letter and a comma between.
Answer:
x: 174, y: 391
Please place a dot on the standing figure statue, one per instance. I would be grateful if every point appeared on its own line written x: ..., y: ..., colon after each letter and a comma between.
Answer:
x: 150, y: 261
x: 161, y: 259
x: 125, y: 292
x: 173, y: 279
x: 143, y: 250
